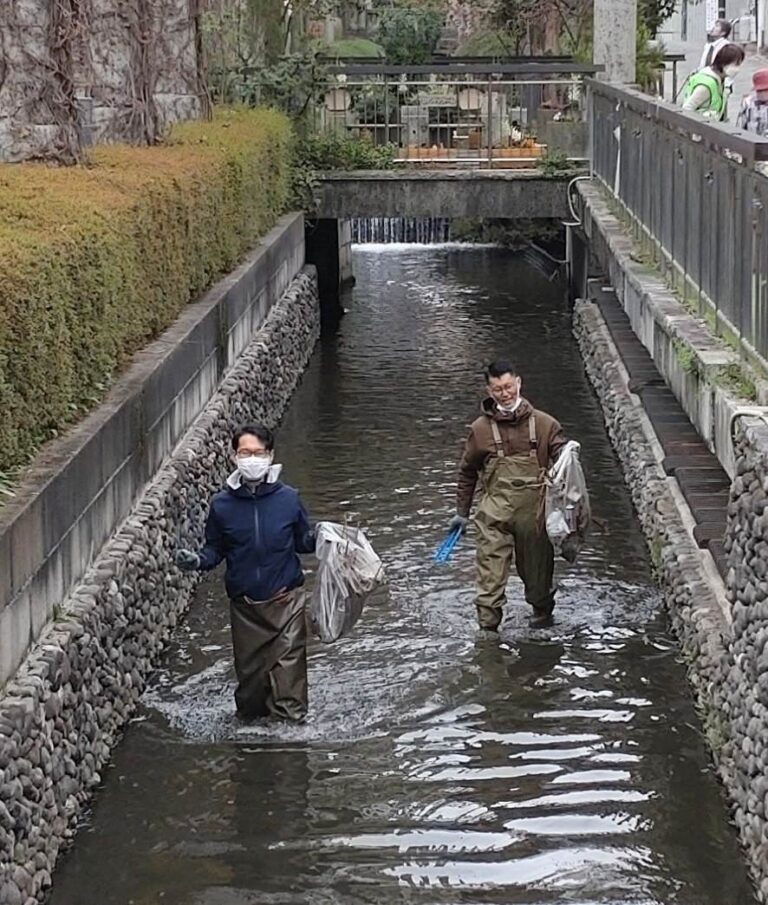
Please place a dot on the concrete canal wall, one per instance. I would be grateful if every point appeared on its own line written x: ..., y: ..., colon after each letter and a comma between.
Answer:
x: 698, y: 366
x: 94, y: 594
x: 85, y: 484
x: 723, y: 626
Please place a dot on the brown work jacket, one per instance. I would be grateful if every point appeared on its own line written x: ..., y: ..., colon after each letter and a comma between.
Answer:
x: 516, y: 439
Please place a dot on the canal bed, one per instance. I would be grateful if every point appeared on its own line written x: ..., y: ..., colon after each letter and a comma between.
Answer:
x: 563, y: 765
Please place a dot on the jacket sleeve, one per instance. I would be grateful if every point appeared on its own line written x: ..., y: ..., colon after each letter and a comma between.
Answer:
x: 213, y: 551
x: 555, y: 441
x: 303, y: 532
x: 471, y: 464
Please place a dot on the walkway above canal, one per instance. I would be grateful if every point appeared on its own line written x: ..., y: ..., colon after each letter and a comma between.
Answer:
x: 552, y: 766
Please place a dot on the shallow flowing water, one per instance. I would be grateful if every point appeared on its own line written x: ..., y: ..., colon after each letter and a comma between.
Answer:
x: 562, y: 765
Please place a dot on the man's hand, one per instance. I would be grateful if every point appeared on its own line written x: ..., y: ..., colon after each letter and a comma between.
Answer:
x: 187, y: 561
x: 458, y: 521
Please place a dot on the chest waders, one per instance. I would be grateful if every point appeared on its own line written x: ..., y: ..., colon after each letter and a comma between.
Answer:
x: 269, y: 639
x: 509, y: 525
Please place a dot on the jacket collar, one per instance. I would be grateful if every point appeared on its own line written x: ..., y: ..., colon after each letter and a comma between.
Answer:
x: 237, y: 487
x: 490, y: 410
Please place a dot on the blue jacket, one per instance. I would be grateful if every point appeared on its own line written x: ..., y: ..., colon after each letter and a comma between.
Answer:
x: 260, y: 536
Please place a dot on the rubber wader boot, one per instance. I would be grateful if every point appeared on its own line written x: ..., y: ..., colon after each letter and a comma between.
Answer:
x: 269, y: 638
x: 509, y: 525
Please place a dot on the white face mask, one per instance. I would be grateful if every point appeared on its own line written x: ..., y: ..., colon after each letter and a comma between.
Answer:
x: 254, y: 468
x: 508, y: 409
x: 731, y: 70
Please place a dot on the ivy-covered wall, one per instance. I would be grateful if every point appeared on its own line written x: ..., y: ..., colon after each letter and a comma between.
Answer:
x: 110, y: 70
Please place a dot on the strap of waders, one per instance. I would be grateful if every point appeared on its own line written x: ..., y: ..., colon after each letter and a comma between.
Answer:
x: 497, y: 439
x: 532, y: 436
x: 534, y: 443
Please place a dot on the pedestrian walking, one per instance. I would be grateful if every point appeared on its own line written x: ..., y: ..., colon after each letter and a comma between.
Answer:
x: 753, y: 115
x: 259, y: 526
x: 706, y: 91
x: 717, y: 37
x: 510, y: 446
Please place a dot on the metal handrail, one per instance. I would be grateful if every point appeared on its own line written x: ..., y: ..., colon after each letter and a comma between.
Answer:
x: 486, y: 69
x: 719, y: 136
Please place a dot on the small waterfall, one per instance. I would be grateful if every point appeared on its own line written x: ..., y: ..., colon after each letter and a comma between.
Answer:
x: 413, y: 230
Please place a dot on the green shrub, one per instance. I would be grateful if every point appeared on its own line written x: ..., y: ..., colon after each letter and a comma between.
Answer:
x: 325, y: 152
x: 97, y: 260
x: 409, y: 34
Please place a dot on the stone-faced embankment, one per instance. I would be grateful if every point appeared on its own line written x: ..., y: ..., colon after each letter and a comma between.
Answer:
x: 696, y: 614
x: 726, y: 649
x: 745, y: 679
x: 62, y: 712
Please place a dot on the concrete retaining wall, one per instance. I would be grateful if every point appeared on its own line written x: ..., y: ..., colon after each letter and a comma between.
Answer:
x: 85, y: 484
x: 688, y: 356
x: 62, y: 712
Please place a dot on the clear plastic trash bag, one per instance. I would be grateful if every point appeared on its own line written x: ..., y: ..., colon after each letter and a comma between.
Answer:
x: 567, y: 510
x: 349, y: 571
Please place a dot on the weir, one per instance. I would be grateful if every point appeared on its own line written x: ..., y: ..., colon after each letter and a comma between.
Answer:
x: 421, y: 230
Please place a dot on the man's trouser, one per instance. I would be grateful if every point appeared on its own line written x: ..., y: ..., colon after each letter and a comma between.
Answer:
x: 509, y: 525
x: 269, y: 638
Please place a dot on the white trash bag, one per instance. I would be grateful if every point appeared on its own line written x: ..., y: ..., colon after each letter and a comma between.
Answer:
x: 349, y: 571
x: 567, y: 507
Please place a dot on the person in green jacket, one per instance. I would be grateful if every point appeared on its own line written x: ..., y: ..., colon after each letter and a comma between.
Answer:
x: 706, y: 91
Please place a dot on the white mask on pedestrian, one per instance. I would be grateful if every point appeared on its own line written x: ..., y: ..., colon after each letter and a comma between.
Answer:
x: 254, y: 468
x: 508, y: 409
x: 731, y: 70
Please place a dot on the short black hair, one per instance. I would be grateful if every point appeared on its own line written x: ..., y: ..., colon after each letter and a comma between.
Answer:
x: 499, y: 369
x: 724, y: 25
x: 255, y: 430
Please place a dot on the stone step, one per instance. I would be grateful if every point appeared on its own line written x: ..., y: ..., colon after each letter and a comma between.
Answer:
x: 652, y: 385
x: 668, y: 416
x: 707, y: 475
x: 711, y: 517
x: 704, y: 502
x: 706, y: 533
x: 701, y: 485
x: 717, y: 549
x: 693, y: 460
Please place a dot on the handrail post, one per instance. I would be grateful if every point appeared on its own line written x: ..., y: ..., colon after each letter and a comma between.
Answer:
x: 490, y: 122
x: 386, y: 109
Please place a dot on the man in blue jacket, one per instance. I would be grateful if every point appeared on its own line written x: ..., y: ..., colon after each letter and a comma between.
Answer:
x: 259, y: 526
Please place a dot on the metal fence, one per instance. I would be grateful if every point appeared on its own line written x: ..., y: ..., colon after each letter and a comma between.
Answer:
x: 697, y: 197
x: 460, y: 114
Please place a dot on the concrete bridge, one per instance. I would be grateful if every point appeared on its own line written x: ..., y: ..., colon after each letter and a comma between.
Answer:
x: 443, y: 193
x: 515, y: 194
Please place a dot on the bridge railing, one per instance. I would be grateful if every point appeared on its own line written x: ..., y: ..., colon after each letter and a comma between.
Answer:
x: 460, y: 114
x: 696, y: 195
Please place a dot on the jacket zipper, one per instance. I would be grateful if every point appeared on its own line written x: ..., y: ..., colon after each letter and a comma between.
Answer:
x: 257, y: 532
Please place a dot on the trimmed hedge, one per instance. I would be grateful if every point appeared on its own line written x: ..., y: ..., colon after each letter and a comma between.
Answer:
x: 97, y: 260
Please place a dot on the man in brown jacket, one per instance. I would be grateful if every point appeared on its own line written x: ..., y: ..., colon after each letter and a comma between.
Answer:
x: 510, y: 446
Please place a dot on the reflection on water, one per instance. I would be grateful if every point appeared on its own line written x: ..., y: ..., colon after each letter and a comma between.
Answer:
x: 551, y: 766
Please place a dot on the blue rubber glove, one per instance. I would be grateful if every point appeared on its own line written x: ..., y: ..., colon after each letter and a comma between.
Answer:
x: 458, y: 521
x: 187, y: 561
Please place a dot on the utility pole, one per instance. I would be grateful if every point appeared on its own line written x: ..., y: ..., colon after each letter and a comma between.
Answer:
x: 615, y: 27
